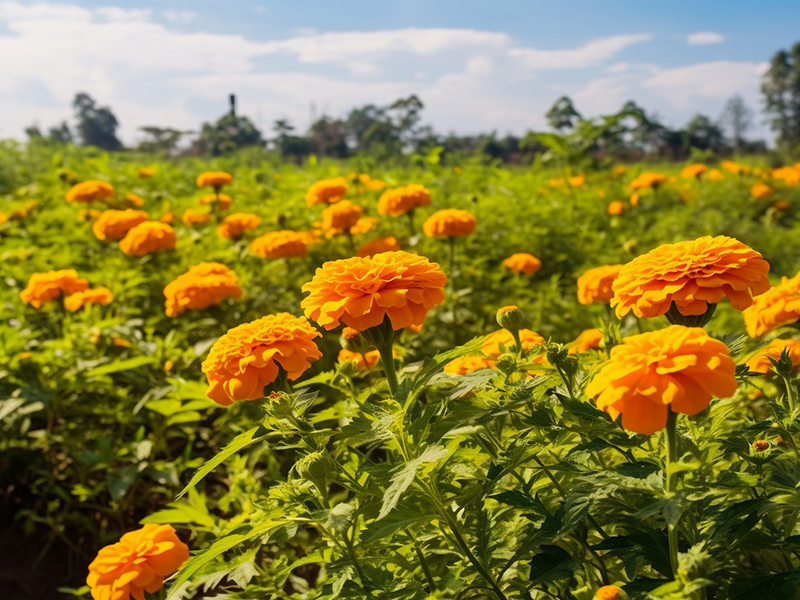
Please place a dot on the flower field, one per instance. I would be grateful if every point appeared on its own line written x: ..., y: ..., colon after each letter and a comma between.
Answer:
x: 243, y: 378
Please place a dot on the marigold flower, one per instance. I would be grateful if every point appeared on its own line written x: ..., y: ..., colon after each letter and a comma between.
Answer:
x: 595, y: 284
x: 496, y: 343
x: 677, y: 368
x: 362, y: 360
x: 192, y: 217
x: 341, y: 217
x: 760, y: 190
x: 99, y: 295
x: 281, y: 244
x: 223, y: 201
x: 386, y: 244
x: 90, y: 191
x: 449, y: 222
x: 364, y: 225
x: 693, y: 171
x: 648, y: 180
x: 167, y: 218
x: 610, y: 592
x: 715, y: 175
x: 588, y: 339
x: 249, y: 356
x: 146, y: 172
x: 692, y: 275
x: 43, y: 287
x: 214, y: 179
x: 577, y: 181
x: 731, y: 167
x: 778, y: 306
x: 615, y: 208
x: 781, y: 205
x: 760, y: 362
x: 760, y: 445
x: 114, y: 224
x: 147, y: 237
x: 362, y: 291
x: 234, y: 226
x: 463, y: 365
x: 203, y: 285
x: 619, y: 170
x: 134, y: 200
x: 326, y: 191
x: 399, y: 201
x: 790, y: 175
x: 523, y: 262
x: 138, y: 563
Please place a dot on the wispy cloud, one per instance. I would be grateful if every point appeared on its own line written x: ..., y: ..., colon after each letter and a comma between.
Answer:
x: 702, y: 38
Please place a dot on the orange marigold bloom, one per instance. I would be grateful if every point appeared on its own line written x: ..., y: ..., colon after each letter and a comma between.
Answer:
x: 693, y: 171
x: 588, y: 339
x: 248, y: 357
x: 523, y: 262
x: 495, y: 343
x: 145, y: 172
x: 223, y: 201
x: 715, y: 175
x: 790, y: 175
x: 691, y: 275
x: 281, y: 244
x: 203, y: 285
x: 43, y: 287
x: 234, y: 226
x: 341, y: 217
x: 215, y: 179
x: 114, y: 224
x: 595, y: 284
x: 731, y: 167
x: 362, y: 291
x: 399, y: 201
x: 99, y: 295
x: 365, y: 360
x: 449, y: 222
x: 326, y: 191
x: 577, y: 181
x: 463, y: 365
x: 760, y: 362
x: 134, y: 200
x: 192, y: 217
x: 147, y: 237
x: 90, y: 191
x: 364, y: 225
x: 648, y: 180
x: 610, y: 592
x: 634, y: 199
x: 760, y: 445
x: 615, y: 208
x: 760, y: 190
x: 781, y: 205
x: 387, y: 244
x: 677, y: 368
x: 167, y: 218
x: 138, y: 563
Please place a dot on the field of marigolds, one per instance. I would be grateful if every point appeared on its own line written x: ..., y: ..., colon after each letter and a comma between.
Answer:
x: 238, y: 379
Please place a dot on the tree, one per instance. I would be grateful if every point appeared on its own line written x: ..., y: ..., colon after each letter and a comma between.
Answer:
x: 327, y: 137
x: 702, y: 133
x: 229, y: 133
x: 97, y: 125
x: 780, y: 87
x: 738, y: 117
x: 289, y: 145
x: 161, y: 139
x: 562, y: 115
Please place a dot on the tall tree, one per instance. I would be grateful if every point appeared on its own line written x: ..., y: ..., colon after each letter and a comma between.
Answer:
x: 230, y: 132
x: 97, y: 125
x: 563, y: 115
x: 780, y: 87
x: 702, y: 133
x: 738, y: 117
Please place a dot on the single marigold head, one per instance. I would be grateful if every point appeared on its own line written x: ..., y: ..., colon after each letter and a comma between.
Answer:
x: 760, y: 190
x: 464, y: 365
x: 214, y: 179
x: 147, y: 237
x: 364, y: 225
x: 221, y: 201
x: 449, y: 222
x: 588, y: 339
x: 693, y: 171
x: 648, y: 180
x: 138, y: 563
x: 731, y: 167
x: 326, y: 191
x: 399, y: 201
x: 341, y: 217
x: 691, y: 275
x: 595, y: 284
x: 677, y: 368
x: 615, y: 208
x: 146, y: 172
x: 247, y: 358
x: 760, y: 445
x: 99, y: 295
x: 114, y: 224
x: 523, y: 262
x: 43, y: 287
x: 281, y: 244
x: 501, y: 340
x: 362, y: 360
x: 90, y: 191
x: 203, y: 285
x: 778, y: 306
x: 610, y: 592
x: 362, y: 291
x: 577, y: 180
x: 192, y: 217
x: 715, y: 175
x: 234, y: 226
x: 760, y: 362
x: 386, y: 244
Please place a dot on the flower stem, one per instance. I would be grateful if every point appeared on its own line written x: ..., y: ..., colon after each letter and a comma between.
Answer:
x: 423, y: 562
x: 790, y: 400
x: 670, y: 439
x: 387, y: 358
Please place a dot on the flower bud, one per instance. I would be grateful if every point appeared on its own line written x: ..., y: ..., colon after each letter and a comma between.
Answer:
x: 760, y: 445
x: 610, y: 592
x: 511, y: 318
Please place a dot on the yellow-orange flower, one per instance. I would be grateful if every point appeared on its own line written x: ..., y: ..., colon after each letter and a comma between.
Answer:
x: 99, y: 295
x: 790, y: 175
x: 781, y: 205
x: 399, y: 201
x: 577, y: 181
x: 203, y: 285
x: 249, y: 356
x: 692, y: 275
x: 362, y: 291
x: 167, y: 218
x: 114, y: 224
x: 364, y: 225
x: 595, y: 284
x: 615, y: 208
x: 634, y: 199
x: 90, y: 191
x: 147, y: 237
x: 778, y: 306
x: 365, y: 360
x: 464, y: 365
x: 145, y: 172
x: 192, y: 217
x: 138, y: 563
x: 715, y: 175
x: 523, y: 262
x: 215, y: 179
x: 223, y: 201
x: 588, y: 339
x: 341, y: 217
x: 648, y: 180
x: 134, y: 200
x: 760, y: 362
x: 449, y: 222
x: 610, y: 592
x: 326, y: 191
x: 281, y: 244
x: 496, y: 343
x: 731, y: 167
x: 43, y: 287
x: 760, y: 190
x: 693, y: 171
x: 234, y: 226
x: 677, y: 368
x: 387, y: 244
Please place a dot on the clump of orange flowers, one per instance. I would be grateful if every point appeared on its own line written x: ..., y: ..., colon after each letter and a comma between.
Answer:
x: 114, y: 224
x: 214, y: 179
x: 615, y: 208
x: 98, y: 295
x: 523, y: 262
x: 146, y: 172
x: 362, y: 360
x: 693, y: 171
x: 364, y: 225
x: 495, y: 343
x: 464, y: 365
x: 588, y: 339
x: 692, y: 276
x: 43, y: 287
x: 326, y: 191
x: 760, y: 362
x: 203, y: 285
x: 361, y: 291
x: 595, y: 284
x: 386, y: 244
x: 281, y: 244
x: 192, y: 217
x: 90, y: 191
x: 233, y: 226
x: 399, y: 201
x: 341, y: 217
x: 450, y: 222
x: 138, y: 563
x: 221, y: 201
x: 148, y: 237
x: 760, y: 190
x: 648, y: 180
x: 250, y: 356
x: 675, y: 369
x: 778, y: 306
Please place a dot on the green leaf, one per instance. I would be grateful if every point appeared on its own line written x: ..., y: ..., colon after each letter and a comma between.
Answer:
x: 121, y: 365
x: 551, y: 564
x: 405, y: 476
x: 120, y: 481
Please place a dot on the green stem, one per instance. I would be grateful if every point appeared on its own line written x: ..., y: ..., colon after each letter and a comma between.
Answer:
x: 423, y: 562
x: 670, y: 440
x: 410, y: 223
x: 790, y: 400
x: 387, y: 358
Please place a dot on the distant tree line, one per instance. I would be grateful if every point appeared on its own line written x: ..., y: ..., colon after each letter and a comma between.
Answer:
x: 395, y: 130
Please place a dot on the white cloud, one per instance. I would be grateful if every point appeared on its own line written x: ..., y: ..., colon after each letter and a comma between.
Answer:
x: 702, y: 38
x: 589, y: 54
x: 179, y: 16
x: 684, y: 86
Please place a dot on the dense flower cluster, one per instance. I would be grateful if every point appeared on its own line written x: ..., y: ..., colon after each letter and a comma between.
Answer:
x: 203, y: 285
x: 221, y: 201
x: 778, y: 306
x: 464, y: 365
x: 192, y: 217
x: 399, y: 201
x: 362, y: 360
x: 326, y: 191
x: 449, y: 222
x: 233, y: 226
x: 281, y: 244
x: 595, y: 284
x: 648, y: 180
x: 43, y: 287
x: 90, y: 191
x: 114, y: 224
x: 99, y: 295
x: 693, y: 171
x: 214, y: 179
x: 147, y: 237
x: 364, y: 225
x: 523, y: 262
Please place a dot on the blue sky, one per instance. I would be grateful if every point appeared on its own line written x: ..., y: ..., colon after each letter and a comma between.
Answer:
x: 478, y: 66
